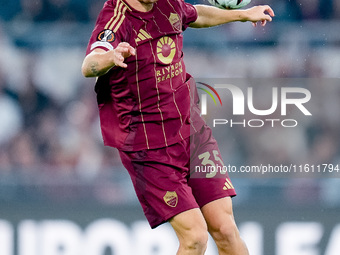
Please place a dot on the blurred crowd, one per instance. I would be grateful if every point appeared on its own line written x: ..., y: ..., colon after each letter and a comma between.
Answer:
x: 49, y: 127
x: 50, y: 10
x: 86, y: 10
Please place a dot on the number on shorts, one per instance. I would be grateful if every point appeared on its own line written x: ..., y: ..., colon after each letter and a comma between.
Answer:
x: 208, y: 162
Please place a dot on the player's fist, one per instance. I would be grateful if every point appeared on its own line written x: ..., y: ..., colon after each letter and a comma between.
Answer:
x: 121, y: 52
x: 262, y: 13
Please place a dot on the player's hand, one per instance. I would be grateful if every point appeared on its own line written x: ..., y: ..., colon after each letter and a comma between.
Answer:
x: 121, y: 52
x: 261, y: 13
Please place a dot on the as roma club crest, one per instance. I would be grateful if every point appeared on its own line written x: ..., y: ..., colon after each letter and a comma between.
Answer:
x: 175, y: 21
x: 171, y: 198
x: 106, y: 36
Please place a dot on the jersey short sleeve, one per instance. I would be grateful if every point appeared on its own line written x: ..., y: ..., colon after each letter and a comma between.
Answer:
x: 189, y: 13
x: 105, y: 35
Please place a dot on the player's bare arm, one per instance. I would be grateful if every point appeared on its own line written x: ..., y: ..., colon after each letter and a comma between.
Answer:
x: 99, y: 61
x: 209, y: 16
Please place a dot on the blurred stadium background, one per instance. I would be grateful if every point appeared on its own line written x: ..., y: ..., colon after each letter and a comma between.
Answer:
x: 63, y: 193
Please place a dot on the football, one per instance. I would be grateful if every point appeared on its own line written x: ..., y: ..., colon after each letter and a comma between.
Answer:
x: 229, y: 4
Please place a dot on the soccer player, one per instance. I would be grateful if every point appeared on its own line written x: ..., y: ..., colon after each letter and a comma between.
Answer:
x: 148, y: 110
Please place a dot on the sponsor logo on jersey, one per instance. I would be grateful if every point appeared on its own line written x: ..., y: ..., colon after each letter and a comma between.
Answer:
x: 168, y: 72
x: 166, y: 50
x: 175, y: 21
x: 106, y: 35
x: 142, y: 35
x: 171, y: 198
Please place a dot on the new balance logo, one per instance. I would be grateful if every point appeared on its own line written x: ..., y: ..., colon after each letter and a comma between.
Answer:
x: 142, y: 35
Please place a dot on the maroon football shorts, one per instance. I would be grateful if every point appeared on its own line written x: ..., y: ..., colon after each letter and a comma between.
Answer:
x: 179, y: 177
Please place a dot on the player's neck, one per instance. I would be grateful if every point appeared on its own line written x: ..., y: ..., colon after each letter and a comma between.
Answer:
x: 141, y: 5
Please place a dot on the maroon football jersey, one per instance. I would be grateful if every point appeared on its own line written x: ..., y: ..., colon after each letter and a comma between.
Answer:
x: 152, y: 103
